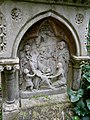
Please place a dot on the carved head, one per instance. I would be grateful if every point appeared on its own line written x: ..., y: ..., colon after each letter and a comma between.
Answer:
x: 26, y: 71
x: 59, y: 65
x: 61, y: 45
x: 27, y: 48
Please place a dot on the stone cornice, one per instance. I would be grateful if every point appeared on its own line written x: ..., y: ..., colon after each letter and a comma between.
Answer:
x: 9, y: 61
x: 81, y: 58
x: 78, y: 3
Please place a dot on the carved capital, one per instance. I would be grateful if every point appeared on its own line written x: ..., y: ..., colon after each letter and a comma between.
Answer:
x: 77, y: 61
x: 8, y: 67
x: 9, y: 64
x: 16, y: 67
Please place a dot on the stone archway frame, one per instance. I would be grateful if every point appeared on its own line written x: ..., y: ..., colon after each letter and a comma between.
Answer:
x: 39, y: 17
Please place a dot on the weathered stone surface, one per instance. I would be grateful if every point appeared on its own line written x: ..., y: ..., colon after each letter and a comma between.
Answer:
x: 44, y: 100
x: 50, y: 112
x: 24, y: 22
x: 44, y: 107
x: 28, y: 12
x: 14, y: 115
x: 30, y: 94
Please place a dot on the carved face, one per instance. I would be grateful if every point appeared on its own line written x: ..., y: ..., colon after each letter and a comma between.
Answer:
x: 61, y: 45
x: 27, y: 49
x: 26, y: 71
x: 37, y: 41
x: 59, y: 65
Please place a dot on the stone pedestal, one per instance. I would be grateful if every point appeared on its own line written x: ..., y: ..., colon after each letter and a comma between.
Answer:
x: 46, y: 107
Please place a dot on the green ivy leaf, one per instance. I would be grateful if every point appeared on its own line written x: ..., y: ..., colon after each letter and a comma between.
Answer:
x: 86, y: 118
x: 80, y: 104
x: 88, y: 103
x: 75, y: 118
x: 74, y: 98
x: 75, y: 95
x: 80, y: 93
x: 86, y: 76
x: 70, y: 91
x: 88, y: 87
x: 80, y: 109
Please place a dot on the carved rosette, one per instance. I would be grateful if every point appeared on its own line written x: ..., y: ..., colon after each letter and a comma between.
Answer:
x: 79, y: 18
x: 16, y: 14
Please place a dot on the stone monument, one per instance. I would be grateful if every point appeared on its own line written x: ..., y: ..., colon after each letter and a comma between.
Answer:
x: 42, y: 46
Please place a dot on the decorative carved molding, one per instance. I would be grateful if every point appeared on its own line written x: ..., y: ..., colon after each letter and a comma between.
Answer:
x: 9, y: 64
x: 16, y: 14
x: 2, y: 33
x: 66, y: 2
x: 79, y: 18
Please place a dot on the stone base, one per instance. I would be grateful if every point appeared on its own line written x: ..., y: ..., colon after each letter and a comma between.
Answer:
x: 51, y: 107
x: 44, y: 107
x: 10, y: 111
x: 13, y: 115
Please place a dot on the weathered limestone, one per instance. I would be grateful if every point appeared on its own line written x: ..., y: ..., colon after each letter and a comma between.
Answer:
x: 8, y: 68
x: 42, y: 46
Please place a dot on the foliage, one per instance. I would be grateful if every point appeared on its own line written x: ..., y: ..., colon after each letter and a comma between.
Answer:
x: 81, y: 97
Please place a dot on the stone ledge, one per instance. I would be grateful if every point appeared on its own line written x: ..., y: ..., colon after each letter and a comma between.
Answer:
x: 35, y: 93
x: 81, y: 58
x: 44, y: 100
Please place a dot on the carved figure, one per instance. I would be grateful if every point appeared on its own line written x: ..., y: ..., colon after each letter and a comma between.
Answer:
x: 28, y: 79
x: 26, y: 70
x: 63, y: 55
x: 43, y: 61
x: 43, y: 77
x: 60, y: 75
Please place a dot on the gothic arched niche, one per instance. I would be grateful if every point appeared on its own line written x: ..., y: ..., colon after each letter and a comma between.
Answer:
x: 44, y: 54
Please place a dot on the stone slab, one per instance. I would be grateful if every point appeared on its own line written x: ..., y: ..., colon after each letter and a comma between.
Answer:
x: 29, y: 94
x: 44, y: 100
x: 51, y: 107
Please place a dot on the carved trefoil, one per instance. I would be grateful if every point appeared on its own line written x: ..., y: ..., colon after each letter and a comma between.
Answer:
x: 44, y: 59
x: 2, y: 33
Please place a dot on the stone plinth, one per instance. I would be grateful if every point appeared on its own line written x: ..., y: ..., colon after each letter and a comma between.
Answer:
x: 44, y: 107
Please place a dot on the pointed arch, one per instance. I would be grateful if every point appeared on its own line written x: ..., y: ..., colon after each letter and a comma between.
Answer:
x: 39, y: 17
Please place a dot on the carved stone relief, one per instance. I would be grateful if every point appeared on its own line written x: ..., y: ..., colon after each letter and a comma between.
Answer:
x: 2, y: 33
x: 79, y: 18
x: 44, y: 61
x: 16, y: 14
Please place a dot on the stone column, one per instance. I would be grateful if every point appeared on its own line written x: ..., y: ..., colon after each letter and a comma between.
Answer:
x: 76, y: 75
x: 10, y: 86
x: 77, y: 62
x: 10, y: 82
x: 1, y: 69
